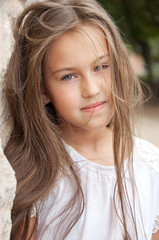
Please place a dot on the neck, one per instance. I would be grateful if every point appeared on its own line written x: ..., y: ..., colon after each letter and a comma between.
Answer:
x: 79, y: 138
x: 95, y: 145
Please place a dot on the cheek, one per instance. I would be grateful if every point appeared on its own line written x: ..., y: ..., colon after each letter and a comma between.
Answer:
x: 107, y: 86
x: 63, y: 99
x: 108, y: 91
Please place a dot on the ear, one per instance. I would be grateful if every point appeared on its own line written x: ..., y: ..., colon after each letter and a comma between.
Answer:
x: 46, y: 99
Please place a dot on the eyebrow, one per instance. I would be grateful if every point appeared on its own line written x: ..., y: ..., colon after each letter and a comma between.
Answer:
x: 73, y: 67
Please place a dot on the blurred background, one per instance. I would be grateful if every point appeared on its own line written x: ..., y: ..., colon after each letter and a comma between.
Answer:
x: 138, y: 22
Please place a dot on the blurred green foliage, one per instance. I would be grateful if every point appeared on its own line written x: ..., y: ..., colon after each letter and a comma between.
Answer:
x: 138, y: 22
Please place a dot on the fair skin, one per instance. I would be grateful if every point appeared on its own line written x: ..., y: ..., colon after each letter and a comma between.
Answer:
x: 155, y: 236
x: 78, y: 83
x: 74, y: 81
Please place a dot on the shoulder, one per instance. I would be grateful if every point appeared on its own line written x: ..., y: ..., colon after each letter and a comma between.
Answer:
x: 147, y: 153
x: 145, y: 147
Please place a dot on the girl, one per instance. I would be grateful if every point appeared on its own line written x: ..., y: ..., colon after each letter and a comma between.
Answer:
x: 81, y: 173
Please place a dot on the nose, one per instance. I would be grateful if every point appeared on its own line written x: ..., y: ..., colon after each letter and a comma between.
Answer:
x: 91, y: 86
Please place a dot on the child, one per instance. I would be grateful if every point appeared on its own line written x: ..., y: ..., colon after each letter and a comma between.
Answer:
x: 81, y: 173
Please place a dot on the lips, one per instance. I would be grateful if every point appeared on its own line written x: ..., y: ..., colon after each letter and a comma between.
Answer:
x: 93, y: 106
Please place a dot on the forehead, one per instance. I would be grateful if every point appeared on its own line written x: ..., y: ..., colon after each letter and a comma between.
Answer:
x: 84, y: 43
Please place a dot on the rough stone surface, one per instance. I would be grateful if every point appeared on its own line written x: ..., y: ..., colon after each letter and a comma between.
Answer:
x: 8, y: 11
x: 7, y: 193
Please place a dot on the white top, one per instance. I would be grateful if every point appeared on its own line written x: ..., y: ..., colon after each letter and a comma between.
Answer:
x: 99, y: 219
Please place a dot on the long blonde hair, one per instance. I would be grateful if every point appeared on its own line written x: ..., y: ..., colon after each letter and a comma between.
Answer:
x: 35, y: 149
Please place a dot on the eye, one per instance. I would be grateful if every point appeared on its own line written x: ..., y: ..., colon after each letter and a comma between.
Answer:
x: 68, y: 77
x: 100, y: 67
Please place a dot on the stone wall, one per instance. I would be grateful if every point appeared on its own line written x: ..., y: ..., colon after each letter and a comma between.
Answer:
x: 8, y: 12
x: 9, y: 9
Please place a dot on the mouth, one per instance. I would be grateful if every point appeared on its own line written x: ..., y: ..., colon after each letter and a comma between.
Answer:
x: 94, y: 107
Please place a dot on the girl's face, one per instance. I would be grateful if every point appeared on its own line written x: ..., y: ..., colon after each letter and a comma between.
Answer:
x: 78, y: 87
